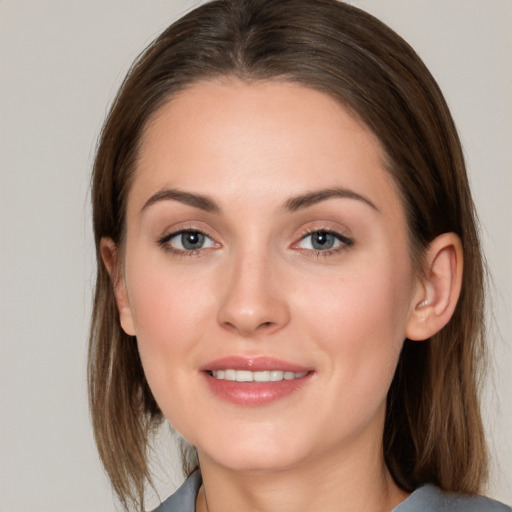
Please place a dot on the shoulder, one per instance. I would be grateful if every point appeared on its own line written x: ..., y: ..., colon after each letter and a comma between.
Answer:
x: 430, y: 498
x: 184, y: 499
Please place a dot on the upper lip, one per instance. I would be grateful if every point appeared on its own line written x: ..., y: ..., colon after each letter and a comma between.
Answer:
x: 254, y: 364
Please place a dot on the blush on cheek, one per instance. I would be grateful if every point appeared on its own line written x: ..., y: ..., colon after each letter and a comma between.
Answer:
x: 359, y: 321
x: 169, y: 313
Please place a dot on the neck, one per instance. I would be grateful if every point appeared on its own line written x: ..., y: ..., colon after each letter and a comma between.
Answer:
x: 345, y: 482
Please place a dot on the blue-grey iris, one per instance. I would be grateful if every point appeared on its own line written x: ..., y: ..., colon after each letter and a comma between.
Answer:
x: 192, y: 240
x: 322, y: 240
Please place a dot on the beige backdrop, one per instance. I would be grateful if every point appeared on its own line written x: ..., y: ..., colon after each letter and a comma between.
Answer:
x: 60, y: 64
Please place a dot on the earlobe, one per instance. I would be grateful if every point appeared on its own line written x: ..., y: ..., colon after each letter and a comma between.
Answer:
x: 109, y: 256
x: 435, y: 301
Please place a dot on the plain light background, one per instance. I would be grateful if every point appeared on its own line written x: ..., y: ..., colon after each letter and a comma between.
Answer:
x: 61, y: 62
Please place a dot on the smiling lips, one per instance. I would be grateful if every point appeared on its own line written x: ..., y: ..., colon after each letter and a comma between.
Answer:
x: 261, y: 376
x: 253, y: 382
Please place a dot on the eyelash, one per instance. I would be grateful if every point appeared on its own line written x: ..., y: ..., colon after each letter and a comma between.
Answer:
x: 345, y: 243
x: 164, y: 243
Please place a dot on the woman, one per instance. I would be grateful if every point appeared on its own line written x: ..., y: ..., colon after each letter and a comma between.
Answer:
x: 289, y: 270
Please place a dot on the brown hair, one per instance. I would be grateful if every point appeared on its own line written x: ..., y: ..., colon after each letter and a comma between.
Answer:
x: 433, y: 430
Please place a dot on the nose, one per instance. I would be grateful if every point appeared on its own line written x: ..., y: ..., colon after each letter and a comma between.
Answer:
x: 254, y: 298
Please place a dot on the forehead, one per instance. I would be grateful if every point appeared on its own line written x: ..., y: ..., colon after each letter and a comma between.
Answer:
x: 235, y: 137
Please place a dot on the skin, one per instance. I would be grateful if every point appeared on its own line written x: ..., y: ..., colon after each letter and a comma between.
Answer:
x: 259, y: 287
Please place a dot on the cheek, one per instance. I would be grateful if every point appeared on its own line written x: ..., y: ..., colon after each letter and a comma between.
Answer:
x: 168, y: 310
x: 360, y: 318
x: 362, y: 299
x: 166, y: 303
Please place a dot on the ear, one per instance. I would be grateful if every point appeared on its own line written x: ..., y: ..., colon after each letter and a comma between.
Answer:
x: 109, y: 254
x: 436, y: 296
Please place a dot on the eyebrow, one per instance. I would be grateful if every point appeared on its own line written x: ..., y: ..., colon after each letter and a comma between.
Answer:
x: 293, y: 204
x: 195, y: 200
x: 303, y: 201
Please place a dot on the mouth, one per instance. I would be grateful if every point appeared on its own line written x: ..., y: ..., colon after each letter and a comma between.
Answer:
x: 255, y: 381
x: 259, y: 376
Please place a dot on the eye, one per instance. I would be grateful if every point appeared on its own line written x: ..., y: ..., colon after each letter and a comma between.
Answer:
x: 324, y: 241
x: 187, y: 241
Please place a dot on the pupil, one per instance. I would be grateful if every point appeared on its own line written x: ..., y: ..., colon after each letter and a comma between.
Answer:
x: 322, y: 240
x: 192, y: 240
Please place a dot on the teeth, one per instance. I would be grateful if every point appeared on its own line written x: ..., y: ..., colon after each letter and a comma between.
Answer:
x: 276, y: 375
x: 244, y: 376
x: 262, y: 376
x: 228, y: 374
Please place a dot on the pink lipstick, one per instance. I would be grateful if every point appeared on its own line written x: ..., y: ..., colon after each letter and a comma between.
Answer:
x: 254, y: 381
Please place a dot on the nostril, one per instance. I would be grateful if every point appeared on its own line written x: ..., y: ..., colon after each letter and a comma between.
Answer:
x: 265, y: 326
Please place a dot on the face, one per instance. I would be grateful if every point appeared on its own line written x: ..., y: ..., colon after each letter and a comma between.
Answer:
x: 266, y: 274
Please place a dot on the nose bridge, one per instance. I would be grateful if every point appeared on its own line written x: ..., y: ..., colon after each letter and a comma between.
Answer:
x: 252, y: 301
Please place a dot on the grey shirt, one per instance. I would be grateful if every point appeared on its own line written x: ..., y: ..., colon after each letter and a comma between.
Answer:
x: 427, y: 498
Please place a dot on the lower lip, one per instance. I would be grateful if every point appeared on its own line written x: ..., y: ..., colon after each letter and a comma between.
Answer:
x: 254, y: 393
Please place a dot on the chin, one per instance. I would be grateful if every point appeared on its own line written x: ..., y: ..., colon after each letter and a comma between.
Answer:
x: 255, y: 461
x: 254, y: 453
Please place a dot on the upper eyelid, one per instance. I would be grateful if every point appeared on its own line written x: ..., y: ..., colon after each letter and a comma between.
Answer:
x: 171, y: 231
x: 301, y: 233
x: 326, y: 229
x: 345, y: 240
x: 180, y: 231
x: 333, y: 231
